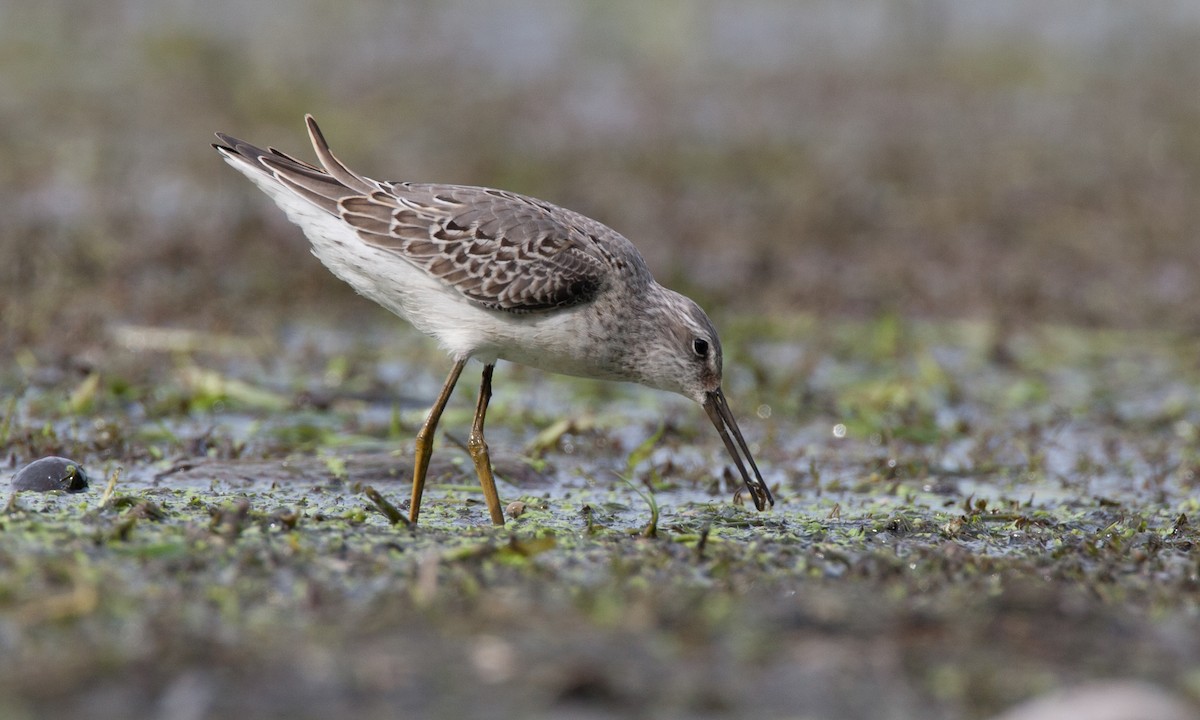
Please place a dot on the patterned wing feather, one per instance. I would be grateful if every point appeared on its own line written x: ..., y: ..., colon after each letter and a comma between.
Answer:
x: 501, y: 250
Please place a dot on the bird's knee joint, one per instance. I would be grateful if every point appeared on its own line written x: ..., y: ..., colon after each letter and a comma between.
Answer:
x: 476, y: 444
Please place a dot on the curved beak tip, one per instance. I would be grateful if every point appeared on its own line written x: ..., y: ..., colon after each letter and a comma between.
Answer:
x: 722, y: 418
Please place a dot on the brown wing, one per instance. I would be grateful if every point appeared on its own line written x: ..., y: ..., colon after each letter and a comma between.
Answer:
x: 502, y: 250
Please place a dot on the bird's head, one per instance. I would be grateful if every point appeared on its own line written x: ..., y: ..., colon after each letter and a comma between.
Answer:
x: 680, y: 352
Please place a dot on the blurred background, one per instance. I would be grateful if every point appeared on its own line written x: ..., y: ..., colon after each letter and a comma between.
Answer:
x: 1012, y: 162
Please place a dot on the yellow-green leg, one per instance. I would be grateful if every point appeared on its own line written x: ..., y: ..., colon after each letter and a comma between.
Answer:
x: 479, y: 449
x: 424, y: 445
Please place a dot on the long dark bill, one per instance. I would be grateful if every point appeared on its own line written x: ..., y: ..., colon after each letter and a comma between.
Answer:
x: 718, y: 411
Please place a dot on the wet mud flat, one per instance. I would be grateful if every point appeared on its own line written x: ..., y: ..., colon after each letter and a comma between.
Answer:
x: 965, y: 518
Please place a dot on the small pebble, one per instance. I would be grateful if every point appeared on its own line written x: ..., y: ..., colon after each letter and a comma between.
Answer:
x: 1106, y: 700
x: 51, y: 473
x: 515, y: 509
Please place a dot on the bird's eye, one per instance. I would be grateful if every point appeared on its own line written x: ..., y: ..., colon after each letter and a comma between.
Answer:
x: 700, y: 347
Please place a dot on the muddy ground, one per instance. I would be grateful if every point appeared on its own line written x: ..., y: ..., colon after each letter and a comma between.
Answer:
x: 959, y: 525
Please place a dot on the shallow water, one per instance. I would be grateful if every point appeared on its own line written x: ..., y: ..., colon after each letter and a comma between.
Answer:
x: 993, y: 526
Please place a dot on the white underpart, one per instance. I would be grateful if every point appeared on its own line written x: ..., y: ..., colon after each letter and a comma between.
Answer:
x: 462, y: 329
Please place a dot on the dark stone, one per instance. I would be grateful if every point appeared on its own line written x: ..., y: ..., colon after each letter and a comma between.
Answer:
x: 51, y: 473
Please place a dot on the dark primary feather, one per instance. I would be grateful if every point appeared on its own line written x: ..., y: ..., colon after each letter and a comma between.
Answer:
x: 499, y: 249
